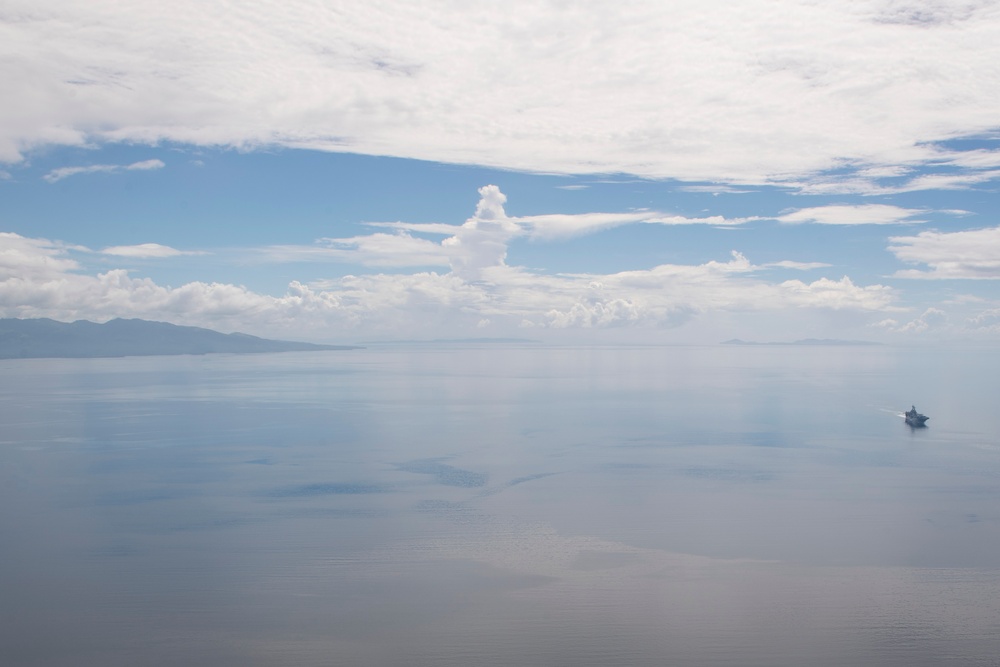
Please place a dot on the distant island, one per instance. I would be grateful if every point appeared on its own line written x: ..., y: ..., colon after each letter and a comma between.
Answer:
x: 803, y: 341
x: 39, y: 338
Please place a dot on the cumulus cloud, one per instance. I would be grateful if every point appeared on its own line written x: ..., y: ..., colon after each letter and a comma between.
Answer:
x: 479, y: 291
x: 861, y: 214
x: 481, y: 242
x: 987, y: 320
x: 972, y: 254
x: 65, y: 172
x: 661, y: 91
x: 930, y: 319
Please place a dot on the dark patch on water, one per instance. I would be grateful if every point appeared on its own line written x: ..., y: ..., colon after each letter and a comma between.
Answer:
x: 445, y: 474
x: 514, y: 482
x: 529, y: 478
x: 326, y: 489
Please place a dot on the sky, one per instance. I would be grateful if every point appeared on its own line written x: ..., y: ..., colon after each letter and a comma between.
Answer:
x: 649, y: 172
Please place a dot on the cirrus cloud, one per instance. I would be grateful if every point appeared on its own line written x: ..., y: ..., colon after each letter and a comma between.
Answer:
x: 144, y: 251
x: 65, y: 172
x: 859, y: 214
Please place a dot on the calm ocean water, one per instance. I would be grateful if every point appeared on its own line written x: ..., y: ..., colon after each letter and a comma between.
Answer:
x: 507, y: 505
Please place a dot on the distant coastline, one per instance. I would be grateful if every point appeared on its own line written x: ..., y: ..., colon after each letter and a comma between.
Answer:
x: 805, y: 341
x: 45, y: 338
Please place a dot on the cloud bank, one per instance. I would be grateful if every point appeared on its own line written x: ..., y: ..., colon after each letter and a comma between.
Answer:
x: 478, y: 291
x: 784, y: 92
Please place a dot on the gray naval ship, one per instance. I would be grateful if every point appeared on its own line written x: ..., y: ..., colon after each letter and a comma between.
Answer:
x: 914, y: 418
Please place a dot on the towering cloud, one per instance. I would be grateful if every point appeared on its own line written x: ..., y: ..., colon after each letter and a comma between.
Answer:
x: 482, y: 241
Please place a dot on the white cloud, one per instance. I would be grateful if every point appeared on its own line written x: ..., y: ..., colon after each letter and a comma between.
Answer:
x: 979, y: 159
x: 942, y: 181
x: 145, y: 165
x: 868, y: 182
x: 714, y: 189
x: 930, y: 319
x: 558, y: 226
x: 144, y: 251
x: 436, y: 228
x: 390, y: 250
x: 481, y: 242
x: 863, y: 214
x: 799, y: 266
x: 32, y: 259
x: 548, y: 227
x: 988, y: 320
x: 973, y: 254
x: 39, y: 279
x: 65, y: 172
x: 772, y: 92
x: 562, y: 226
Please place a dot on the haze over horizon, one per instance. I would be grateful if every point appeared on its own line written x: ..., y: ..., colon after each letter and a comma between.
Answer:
x: 691, y: 172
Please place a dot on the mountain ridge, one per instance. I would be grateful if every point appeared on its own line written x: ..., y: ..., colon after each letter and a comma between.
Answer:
x: 47, y: 338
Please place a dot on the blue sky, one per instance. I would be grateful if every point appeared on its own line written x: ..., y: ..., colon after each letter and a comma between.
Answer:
x: 339, y: 172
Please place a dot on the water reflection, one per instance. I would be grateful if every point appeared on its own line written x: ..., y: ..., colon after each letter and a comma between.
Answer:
x: 643, y: 506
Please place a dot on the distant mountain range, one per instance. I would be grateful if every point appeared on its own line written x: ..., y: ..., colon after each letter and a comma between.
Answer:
x: 20, y: 339
x: 804, y: 341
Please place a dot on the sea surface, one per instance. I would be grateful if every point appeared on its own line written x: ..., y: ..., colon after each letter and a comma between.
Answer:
x: 502, y: 505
